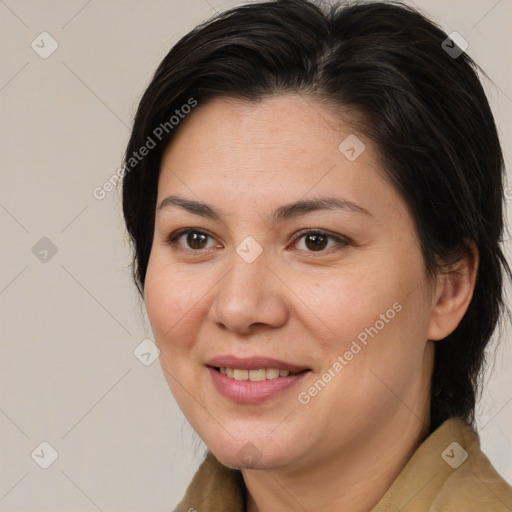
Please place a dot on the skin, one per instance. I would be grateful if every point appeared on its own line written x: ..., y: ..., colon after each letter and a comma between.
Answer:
x: 343, y: 449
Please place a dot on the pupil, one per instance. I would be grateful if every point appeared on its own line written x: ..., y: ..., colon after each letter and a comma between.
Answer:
x: 318, y: 244
x: 195, y: 239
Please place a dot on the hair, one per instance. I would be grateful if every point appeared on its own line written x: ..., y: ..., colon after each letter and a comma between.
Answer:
x: 423, y: 107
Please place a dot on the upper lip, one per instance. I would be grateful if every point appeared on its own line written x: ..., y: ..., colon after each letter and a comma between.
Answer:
x: 253, y: 363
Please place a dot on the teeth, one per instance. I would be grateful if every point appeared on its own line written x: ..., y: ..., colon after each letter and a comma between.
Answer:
x: 241, y: 374
x: 255, y: 375
x: 272, y: 373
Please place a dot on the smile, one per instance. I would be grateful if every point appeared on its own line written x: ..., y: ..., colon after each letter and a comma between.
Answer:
x: 253, y: 386
x: 255, y: 375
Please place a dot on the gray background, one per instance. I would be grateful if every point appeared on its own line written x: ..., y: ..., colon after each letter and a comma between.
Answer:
x: 71, y: 320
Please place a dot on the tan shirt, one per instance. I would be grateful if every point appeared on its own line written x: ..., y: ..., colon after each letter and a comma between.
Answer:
x: 439, y: 477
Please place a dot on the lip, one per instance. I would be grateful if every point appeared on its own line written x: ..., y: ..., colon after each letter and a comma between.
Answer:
x: 253, y: 363
x: 252, y: 392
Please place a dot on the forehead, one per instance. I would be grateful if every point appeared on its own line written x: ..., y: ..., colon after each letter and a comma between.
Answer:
x: 286, y: 130
x: 285, y: 146
x: 279, y: 121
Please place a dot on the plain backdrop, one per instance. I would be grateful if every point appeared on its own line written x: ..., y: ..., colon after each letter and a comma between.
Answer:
x: 113, y: 437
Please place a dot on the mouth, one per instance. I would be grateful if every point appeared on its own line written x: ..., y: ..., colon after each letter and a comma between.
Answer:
x: 229, y: 362
x: 253, y: 380
x: 255, y: 375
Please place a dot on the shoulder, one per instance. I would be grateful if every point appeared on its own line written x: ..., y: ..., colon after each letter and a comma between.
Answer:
x: 472, y: 481
x: 448, y: 473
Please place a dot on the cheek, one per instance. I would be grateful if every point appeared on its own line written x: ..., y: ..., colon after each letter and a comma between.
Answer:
x: 344, y: 302
x: 380, y: 307
x: 173, y: 302
x: 173, y: 299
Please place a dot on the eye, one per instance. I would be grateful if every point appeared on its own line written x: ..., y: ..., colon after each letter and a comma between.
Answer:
x: 317, y: 240
x: 314, y: 240
x: 195, y: 239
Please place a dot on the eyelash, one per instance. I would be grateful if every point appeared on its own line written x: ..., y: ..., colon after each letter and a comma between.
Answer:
x: 173, y: 238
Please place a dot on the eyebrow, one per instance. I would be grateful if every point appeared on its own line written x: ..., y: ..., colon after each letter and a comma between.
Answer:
x: 287, y: 211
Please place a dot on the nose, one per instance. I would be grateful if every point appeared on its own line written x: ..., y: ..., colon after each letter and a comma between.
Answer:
x: 249, y: 297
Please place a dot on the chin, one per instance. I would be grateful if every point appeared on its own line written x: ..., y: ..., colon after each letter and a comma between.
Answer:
x: 257, y: 453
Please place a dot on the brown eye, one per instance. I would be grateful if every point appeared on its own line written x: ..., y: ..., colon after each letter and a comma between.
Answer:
x: 195, y: 239
x: 317, y: 241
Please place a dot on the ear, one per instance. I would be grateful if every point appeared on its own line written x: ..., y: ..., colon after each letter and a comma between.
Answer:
x: 453, y: 293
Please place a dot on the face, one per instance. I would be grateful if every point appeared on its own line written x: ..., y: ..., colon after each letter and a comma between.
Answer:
x: 300, y: 257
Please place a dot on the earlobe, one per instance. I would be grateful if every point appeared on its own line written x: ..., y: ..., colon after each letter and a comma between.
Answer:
x: 453, y: 295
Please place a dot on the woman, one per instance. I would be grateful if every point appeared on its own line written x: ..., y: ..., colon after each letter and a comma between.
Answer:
x: 315, y: 204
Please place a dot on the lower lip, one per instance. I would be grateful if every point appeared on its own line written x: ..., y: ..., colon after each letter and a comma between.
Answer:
x: 252, y: 392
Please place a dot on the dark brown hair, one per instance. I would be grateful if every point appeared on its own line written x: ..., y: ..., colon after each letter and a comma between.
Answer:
x: 422, y: 105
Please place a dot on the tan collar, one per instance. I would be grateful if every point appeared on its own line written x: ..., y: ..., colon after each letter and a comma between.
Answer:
x: 438, y: 477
